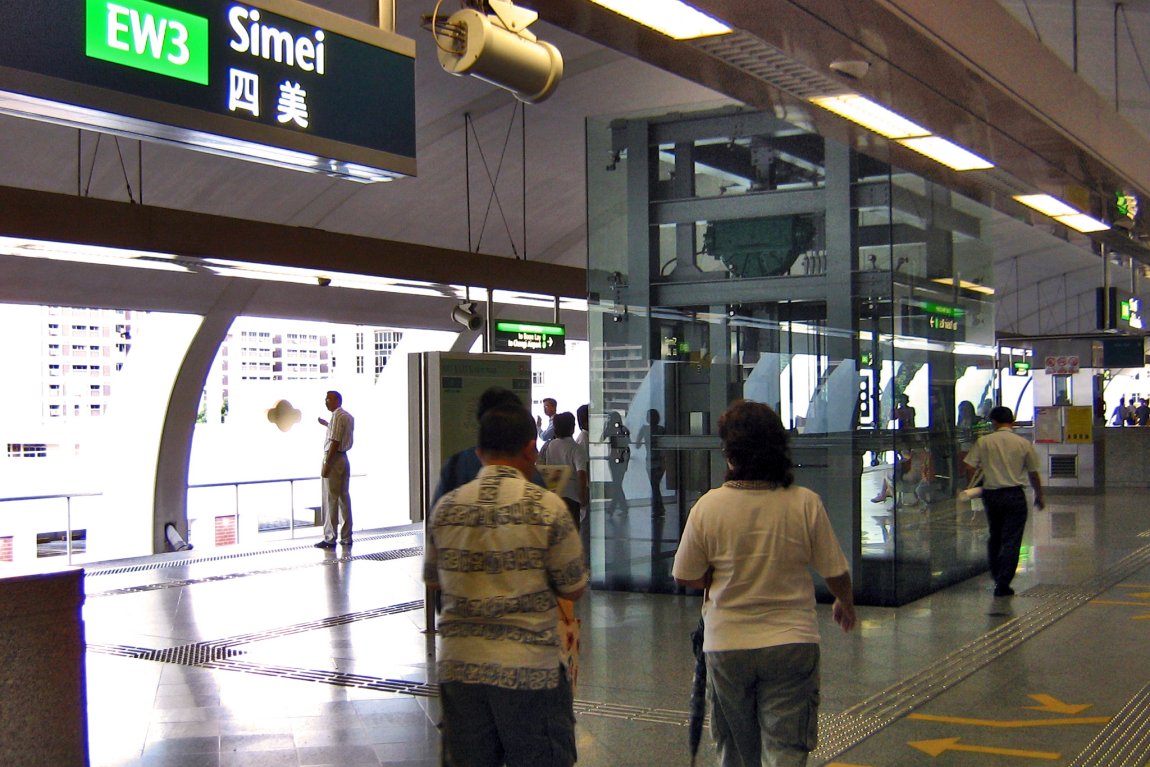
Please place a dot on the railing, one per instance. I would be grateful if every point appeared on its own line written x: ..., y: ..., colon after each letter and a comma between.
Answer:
x: 67, y: 497
x: 68, y: 510
x: 291, y: 492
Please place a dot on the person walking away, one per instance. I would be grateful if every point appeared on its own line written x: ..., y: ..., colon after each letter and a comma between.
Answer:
x: 336, y: 474
x: 462, y: 467
x: 1007, y: 461
x: 564, y: 451
x: 505, y: 696
x: 750, y: 544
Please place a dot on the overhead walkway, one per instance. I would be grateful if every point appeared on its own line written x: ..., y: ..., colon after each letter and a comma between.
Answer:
x: 296, y: 656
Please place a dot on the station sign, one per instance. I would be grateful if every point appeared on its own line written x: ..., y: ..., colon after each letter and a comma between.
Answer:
x: 528, y: 337
x: 274, y: 81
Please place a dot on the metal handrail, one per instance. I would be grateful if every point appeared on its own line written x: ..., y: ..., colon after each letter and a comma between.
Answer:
x: 68, y: 510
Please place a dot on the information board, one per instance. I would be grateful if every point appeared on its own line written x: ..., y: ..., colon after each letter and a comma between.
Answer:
x: 275, y: 81
x: 529, y: 337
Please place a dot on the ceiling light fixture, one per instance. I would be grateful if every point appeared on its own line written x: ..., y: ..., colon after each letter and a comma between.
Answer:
x: 872, y: 116
x: 1083, y: 223
x: 946, y: 152
x: 673, y: 18
x: 1045, y: 204
x: 1062, y: 213
x: 966, y: 284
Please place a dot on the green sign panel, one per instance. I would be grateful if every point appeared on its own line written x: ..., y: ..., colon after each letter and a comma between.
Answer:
x: 148, y: 36
x: 529, y: 337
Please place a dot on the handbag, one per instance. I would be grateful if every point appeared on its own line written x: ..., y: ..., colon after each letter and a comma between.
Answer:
x: 974, y: 489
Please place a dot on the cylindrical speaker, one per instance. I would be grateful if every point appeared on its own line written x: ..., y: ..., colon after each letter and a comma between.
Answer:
x: 528, y: 68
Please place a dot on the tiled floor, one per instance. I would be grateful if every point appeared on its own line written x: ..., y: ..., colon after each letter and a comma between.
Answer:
x: 296, y: 656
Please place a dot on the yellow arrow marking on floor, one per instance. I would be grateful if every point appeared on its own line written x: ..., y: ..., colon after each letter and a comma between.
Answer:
x: 936, y: 747
x: 1116, y: 602
x: 1054, y: 706
x: 1011, y: 723
x: 1142, y: 595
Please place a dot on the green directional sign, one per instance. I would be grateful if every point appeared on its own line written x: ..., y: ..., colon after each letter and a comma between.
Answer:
x: 529, y: 337
x: 148, y: 36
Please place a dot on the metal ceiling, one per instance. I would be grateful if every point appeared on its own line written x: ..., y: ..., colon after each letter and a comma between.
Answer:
x: 536, y: 209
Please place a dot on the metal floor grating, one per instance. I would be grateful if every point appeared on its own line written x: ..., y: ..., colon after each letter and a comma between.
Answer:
x: 145, y: 566
x: 381, y: 556
x: 841, y: 732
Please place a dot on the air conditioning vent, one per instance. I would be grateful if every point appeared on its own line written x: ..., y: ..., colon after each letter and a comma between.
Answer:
x: 1064, y: 467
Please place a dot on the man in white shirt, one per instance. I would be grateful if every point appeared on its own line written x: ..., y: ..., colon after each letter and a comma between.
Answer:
x: 1007, y: 462
x: 336, y: 474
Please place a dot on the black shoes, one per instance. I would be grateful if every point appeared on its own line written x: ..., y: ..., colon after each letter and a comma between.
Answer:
x: 325, y: 545
x: 1003, y: 591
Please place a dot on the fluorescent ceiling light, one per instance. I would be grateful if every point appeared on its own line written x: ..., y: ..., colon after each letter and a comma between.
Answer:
x: 1082, y: 223
x: 946, y: 152
x: 1062, y: 213
x: 1044, y: 203
x: 870, y: 115
x: 673, y: 18
x: 89, y: 254
x: 967, y: 284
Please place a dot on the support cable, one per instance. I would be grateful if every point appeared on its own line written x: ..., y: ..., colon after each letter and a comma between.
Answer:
x: 493, y: 197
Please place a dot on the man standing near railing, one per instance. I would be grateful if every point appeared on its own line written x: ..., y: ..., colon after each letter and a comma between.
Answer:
x: 336, y: 474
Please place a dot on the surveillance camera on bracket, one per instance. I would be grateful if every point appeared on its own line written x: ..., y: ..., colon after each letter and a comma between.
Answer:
x: 498, y: 49
x: 466, y: 316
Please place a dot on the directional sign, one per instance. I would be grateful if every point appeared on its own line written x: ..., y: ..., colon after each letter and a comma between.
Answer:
x: 1054, y: 706
x: 942, y: 745
x: 1012, y: 723
x: 528, y: 337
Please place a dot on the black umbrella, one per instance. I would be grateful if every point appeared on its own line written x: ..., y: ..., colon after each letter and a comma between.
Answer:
x: 698, y: 707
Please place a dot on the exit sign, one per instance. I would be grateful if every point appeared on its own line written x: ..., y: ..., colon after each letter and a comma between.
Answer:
x: 528, y: 337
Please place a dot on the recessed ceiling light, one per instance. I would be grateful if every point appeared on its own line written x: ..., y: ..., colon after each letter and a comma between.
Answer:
x: 946, y: 152
x: 673, y: 18
x: 1044, y: 203
x: 1082, y: 223
x: 870, y: 115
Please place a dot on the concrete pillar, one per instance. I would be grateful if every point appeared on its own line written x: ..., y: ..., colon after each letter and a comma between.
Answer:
x: 43, y: 686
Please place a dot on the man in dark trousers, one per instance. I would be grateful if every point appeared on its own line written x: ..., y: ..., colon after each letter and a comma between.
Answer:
x: 1007, y: 461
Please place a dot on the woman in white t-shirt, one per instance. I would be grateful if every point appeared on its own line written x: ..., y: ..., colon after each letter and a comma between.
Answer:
x: 750, y: 544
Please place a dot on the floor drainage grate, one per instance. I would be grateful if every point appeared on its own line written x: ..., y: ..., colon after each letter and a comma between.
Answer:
x: 146, y: 566
x: 383, y: 556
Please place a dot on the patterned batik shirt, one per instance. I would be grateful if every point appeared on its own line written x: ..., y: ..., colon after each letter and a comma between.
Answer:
x: 501, y: 549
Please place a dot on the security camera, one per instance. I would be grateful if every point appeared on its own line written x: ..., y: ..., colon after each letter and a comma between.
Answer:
x: 498, y: 49
x: 855, y: 70
x: 466, y: 316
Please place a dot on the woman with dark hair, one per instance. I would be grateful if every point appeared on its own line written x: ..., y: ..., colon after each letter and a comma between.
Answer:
x: 750, y: 544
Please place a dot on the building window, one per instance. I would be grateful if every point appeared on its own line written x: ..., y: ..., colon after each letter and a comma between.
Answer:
x: 536, y: 377
x: 27, y: 450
